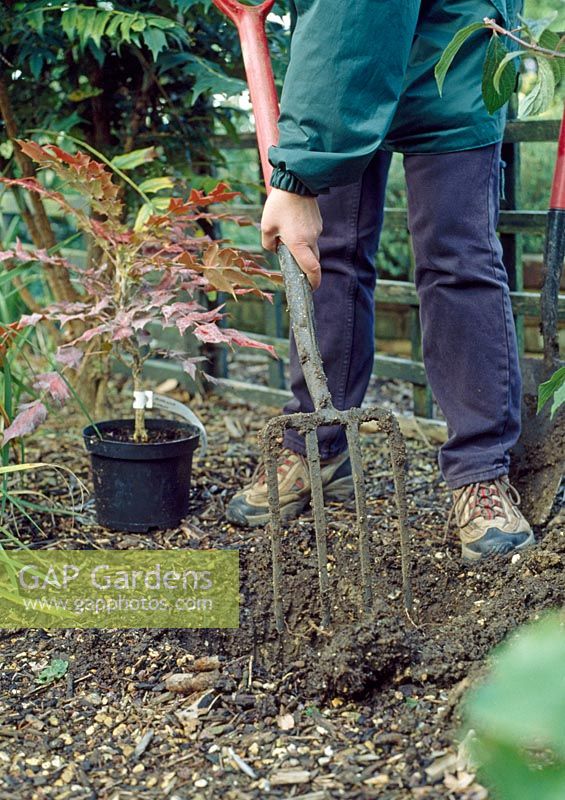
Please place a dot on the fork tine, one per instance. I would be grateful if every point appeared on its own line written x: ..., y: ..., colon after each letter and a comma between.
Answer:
x: 313, y: 456
x: 362, y: 523
x: 270, y: 463
x: 397, y: 448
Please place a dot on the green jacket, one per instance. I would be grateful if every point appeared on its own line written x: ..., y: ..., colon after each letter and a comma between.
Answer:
x: 361, y: 77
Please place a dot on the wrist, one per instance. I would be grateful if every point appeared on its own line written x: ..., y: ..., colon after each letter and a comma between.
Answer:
x: 288, y: 182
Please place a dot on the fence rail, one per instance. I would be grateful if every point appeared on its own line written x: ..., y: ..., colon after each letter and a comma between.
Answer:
x: 514, y: 223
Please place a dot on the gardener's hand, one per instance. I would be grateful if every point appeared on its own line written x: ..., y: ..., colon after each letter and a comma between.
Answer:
x: 296, y: 221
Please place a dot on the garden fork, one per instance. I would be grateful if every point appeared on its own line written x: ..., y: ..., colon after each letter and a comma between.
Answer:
x: 250, y: 23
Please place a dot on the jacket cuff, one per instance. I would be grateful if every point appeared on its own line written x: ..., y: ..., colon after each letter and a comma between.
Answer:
x: 282, y: 179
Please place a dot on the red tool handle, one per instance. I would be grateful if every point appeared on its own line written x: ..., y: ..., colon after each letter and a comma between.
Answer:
x: 250, y: 23
x: 558, y: 186
x: 554, y: 254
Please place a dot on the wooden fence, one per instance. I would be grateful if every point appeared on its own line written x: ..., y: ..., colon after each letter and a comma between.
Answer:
x: 514, y: 223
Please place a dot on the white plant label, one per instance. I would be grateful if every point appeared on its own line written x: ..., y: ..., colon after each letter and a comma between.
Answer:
x: 148, y: 399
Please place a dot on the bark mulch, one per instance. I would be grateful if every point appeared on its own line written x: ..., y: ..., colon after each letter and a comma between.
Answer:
x: 368, y: 709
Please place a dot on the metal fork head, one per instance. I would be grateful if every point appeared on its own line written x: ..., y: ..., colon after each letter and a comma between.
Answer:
x: 307, y: 424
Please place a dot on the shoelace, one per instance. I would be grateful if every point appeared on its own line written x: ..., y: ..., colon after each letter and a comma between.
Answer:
x: 259, y: 476
x: 485, y: 500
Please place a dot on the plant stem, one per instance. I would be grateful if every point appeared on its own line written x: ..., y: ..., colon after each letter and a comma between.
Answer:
x: 494, y: 26
x: 140, y: 431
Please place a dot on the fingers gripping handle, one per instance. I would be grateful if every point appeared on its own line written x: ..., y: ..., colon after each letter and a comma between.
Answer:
x: 301, y: 309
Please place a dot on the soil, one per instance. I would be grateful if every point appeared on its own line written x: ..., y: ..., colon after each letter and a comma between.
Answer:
x: 367, y: 708
x: 124, y: 433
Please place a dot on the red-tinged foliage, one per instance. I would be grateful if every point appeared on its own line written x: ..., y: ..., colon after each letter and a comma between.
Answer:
x: 53, y: 384
x: 29, y: 418
x: 69, y: 356
x: 79, y: 172
x: 240, y: 339
x: 8, y: 335
x: 153, y: 273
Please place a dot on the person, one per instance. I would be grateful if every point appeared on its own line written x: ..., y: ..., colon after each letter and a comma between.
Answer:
x: 360, y: 85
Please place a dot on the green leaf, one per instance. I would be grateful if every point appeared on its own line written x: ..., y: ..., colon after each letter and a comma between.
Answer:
x: 501, y: 709
x: 539, y: 99
x: 495, y: 98
x: 501, y: 67
x: 138, y: 23
x: 535, y: 27
x: 209, y: 78
x: 451, y: 51
x: 36, y: 62
x: 36, y: 20
x: 511, y: 771
x: 155, y: 40
x: 97, y: 26
x: 56, y: 669
x: 135, y: 158
x: 152, y: 185
x: 549, y: 388
x: 551, y: 41
x: 143, y: 215
x: 558, y: 399
x: 69, y: 21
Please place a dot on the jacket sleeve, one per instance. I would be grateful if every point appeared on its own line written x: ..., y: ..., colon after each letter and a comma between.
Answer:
x: 345, y: 76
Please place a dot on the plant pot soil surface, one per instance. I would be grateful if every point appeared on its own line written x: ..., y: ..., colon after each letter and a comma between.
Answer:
x: 124, y: 433
x: 370, y: 709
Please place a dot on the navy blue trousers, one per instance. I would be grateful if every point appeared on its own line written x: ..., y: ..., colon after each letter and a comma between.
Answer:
x: 469, y: 342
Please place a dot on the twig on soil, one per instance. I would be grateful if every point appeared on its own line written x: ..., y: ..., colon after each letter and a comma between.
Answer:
x: 250, y: 671
x: 143, y: 744
x: 243, y: 766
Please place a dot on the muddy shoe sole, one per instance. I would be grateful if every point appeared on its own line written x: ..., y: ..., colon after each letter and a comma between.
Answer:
x: 239, y: 513
x: 495, y: 543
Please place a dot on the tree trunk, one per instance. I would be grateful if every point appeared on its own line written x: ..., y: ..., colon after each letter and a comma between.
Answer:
x: 37, y: 220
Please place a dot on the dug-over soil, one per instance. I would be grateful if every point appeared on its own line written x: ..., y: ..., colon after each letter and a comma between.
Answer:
x: 368, y: 708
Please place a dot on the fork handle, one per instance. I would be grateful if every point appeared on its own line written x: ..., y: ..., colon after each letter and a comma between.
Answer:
x: 301, y: 311
x: 250, y: 23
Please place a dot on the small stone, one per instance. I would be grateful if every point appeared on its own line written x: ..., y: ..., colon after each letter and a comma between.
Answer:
x: 138, y: 768
x: 201, y: 783
x: 515, y: 558
x: 67, y: 774
x: 377, y: 780
x: 285, y: 722
x: 206, y: 664
x: 188, y: 682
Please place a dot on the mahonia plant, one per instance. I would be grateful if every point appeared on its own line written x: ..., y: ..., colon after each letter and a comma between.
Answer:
x: 533, y: 39
x: 151, y: 273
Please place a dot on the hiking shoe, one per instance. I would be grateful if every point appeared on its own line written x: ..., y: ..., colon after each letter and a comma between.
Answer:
x: 250, y: 506
x: 490, y: 522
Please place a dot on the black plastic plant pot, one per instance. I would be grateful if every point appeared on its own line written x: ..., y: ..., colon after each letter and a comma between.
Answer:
x: 141, y: 486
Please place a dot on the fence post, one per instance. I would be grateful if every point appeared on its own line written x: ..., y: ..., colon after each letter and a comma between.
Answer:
x: 512, y: 243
